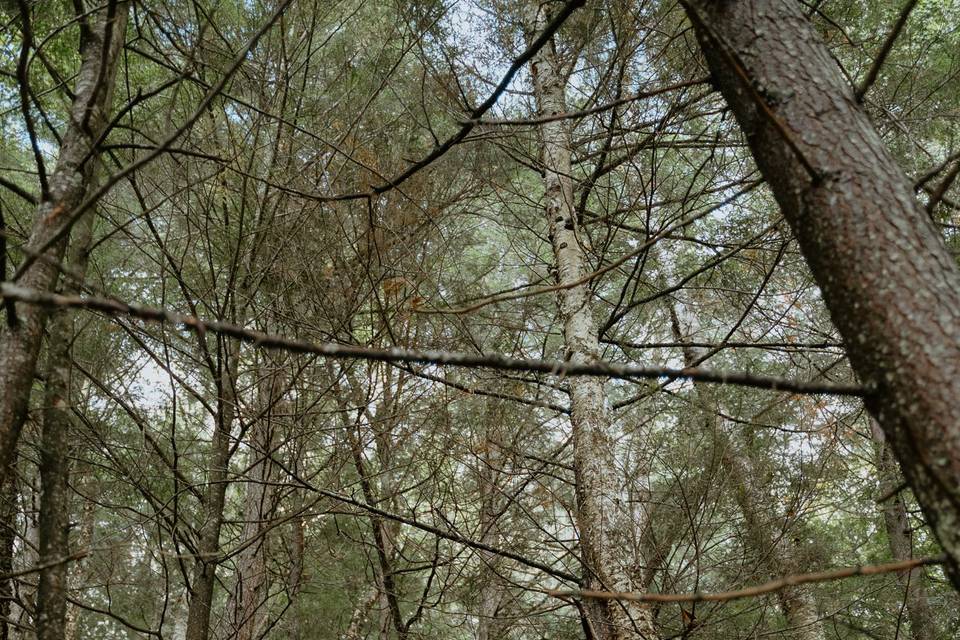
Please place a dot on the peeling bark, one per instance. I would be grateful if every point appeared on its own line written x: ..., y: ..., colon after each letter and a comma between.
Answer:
x: 604, y: 519
x: 888, y: 280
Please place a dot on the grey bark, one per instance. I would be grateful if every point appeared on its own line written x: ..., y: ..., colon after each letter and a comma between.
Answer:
x: 55, y: 447
x: 888, y: 280
x: 8, y: 536
x: 20, y: 343
x: 900, y: 539
x: 490, y: 625
x: 259, y: 502
x: 604, y: 519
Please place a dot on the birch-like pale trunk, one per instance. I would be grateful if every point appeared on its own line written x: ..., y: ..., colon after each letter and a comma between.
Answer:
x: 899, y: 538
x: 606, y: 525
x: 763, y: 537
x: 68, y: 184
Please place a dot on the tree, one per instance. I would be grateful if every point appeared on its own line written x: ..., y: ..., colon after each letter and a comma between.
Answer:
x: 885, y: 272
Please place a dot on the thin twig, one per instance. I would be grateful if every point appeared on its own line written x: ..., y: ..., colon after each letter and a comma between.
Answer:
x: 758, y: 590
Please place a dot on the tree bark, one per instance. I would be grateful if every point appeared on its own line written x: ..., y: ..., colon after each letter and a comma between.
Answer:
x: 886, y: 276
x: 604, y: 519
x: 8, y: 536
x: 894, y: 510
x: 55, y: 452
x: 252, y: 586
x: 20, y: 341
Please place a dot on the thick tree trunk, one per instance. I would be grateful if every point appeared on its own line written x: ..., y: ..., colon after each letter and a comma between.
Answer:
x: 20, y: 343
x: 922, y: 626
x: 766, y: 540
x: 606, y: 525
x: 55, y: 445
x: 891, y: 286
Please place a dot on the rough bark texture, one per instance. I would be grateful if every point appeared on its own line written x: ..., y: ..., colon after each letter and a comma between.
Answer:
x: 20, y: 344
x: 891, y: 286
x: 763, y: 536
x: 55, y: 446
x: 897, y: 525
x: 604, y: 519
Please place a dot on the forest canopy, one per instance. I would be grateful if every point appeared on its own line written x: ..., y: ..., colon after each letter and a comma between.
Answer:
x: 492, y: 319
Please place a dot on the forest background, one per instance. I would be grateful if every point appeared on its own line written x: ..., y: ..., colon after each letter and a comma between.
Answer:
x: 479, y: 319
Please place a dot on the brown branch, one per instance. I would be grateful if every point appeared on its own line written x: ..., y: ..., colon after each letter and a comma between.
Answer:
x: 74, y: 216
x: 758, y: 590
x: 598, y: 368
x: 475, y: 115
x: 885, y: 49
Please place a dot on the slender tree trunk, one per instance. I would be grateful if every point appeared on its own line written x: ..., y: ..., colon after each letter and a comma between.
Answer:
x: 8, y: 536
x: 20, y: 341
x: 894, y: 509
x: 764, y: 539
x: 252, y: 586
x: 489, y: 625
x: 205, y: 565
x: 604, y: 517
x: 888, y: 280
x: 55, y: 445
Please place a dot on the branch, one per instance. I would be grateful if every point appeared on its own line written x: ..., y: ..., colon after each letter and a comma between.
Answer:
x: 643, y: 95
x: 597, y: 368
x: 475, y: 115
x: 73, y: 216
x: 758, y: 590
x: 884, y: 51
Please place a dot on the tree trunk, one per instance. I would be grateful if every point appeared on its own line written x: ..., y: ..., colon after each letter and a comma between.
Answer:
x: 251, y: 588
x: 8, y: 536
x: 764, y: 539
x: 55, y: 453
x: 20, y: 340
x: 604, y: 518
x: 894, y: 509
x: 888, y: 280
x: 490, y: 626
x: 205, y: 565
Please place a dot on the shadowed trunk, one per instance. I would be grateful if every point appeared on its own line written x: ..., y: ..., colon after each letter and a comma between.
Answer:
x: 894, y: 509
x: 208, y: 559
x: 767, y: 541
x: 55, y: 449
x: 888, y: 280
x: 68, y: 184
